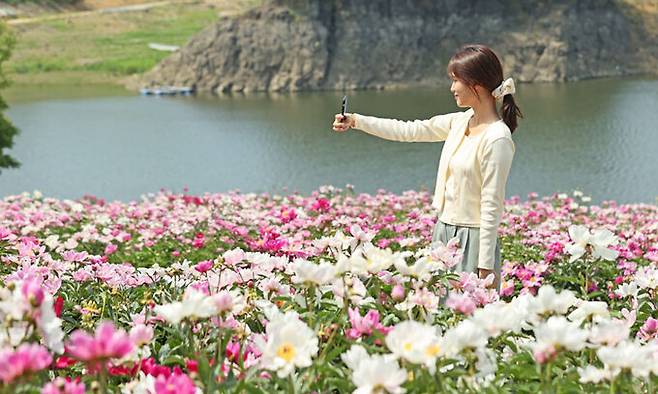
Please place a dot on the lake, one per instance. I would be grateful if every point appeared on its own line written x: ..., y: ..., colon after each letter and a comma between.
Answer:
x: 596, y: 136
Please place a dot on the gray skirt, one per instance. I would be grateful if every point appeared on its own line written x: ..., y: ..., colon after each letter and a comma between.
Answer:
x: 469, y: 243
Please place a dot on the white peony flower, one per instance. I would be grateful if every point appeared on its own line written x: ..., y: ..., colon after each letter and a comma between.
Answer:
x: 499, y: 317
x: 580, y: 236
x: 558, y: 332
x: 628, y: 355
x: 12, y: 303
x: 421, y: 269
x: 377, y: 259
x: 308, y: 272
x: 466, y: 334
x: 597, y: 310
x: 51, y: 326
x: 353, y: 357
x: 290, y: 344
x: 143, y: 384
x: 415, y: 342
x: 600, y: 239
x: 194, y: 304
x: 591, y: 374
x: 548, y: 301
x: 378, y: 373
x: 647, y: 277
x: 627, y: 289
x: 486, y: 364
x: 609, y: 332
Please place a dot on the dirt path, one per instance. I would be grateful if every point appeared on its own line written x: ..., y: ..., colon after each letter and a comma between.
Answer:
x: 99, y: 10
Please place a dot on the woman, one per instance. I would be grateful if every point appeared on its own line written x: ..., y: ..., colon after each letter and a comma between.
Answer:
x: 475, y: 159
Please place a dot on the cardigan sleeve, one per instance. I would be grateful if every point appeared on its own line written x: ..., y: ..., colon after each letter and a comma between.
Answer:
x: 495, y: 167
x: 434, y: 129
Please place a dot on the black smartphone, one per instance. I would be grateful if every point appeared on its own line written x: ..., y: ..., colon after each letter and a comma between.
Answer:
x: 344, y: 107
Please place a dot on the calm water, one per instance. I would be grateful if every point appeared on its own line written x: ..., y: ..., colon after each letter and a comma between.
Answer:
x: 596, y: 136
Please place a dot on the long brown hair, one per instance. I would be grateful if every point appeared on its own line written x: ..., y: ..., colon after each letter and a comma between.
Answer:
x: 478, y: 65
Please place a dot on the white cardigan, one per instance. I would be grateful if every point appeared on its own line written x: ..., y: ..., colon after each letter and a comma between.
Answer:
x: 480, y: 193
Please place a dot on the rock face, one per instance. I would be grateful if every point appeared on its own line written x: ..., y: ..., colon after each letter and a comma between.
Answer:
x: 290, y: 45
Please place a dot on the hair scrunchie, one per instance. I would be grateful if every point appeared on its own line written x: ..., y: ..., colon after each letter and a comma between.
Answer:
x: 506, y: 87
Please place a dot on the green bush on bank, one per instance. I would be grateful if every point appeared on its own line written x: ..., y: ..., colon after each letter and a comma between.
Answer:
x: 7, y: 130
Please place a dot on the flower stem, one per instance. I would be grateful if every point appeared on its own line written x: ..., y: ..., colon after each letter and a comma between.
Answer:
x: 102, y: 380
x: 291, y: 385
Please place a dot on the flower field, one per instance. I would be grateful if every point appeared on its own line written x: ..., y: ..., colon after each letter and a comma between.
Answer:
x: 335, y: 291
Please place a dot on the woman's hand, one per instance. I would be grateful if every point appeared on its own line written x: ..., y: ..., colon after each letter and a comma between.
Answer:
x: 343, y: 122
x: 483, y: 273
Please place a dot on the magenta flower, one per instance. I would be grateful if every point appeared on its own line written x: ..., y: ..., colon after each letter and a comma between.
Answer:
x: 364, y: 325
x: 321, y: 204
x: 64, y: 386
x: 204, y: 266
x: 649, y: 329
x: 176, y: 383
x: 26, y: 359
x: 107, y: 343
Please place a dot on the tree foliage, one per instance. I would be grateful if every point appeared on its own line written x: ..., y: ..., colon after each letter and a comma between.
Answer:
x: 7, y: 129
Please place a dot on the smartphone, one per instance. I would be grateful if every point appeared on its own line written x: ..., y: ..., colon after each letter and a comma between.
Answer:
x: 344, y: 107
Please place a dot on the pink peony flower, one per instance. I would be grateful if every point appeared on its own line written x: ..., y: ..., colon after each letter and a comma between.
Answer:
x: 506, y: 288
x: 649, y: 329
x: 204, y: 266
x: 110, y: 248
x: 233, y: 351
x: 398, y: 293
x: 461, y: 303
x: 64, y: 386
x: 26, y: 359
x: 141, y: 334
x: 32, y: 291
x: 176, y: 383
x: 107, y: 343
x: 232, y: 257
x: 73, y: 256
x: 545, y: 354
x: 364, y: 325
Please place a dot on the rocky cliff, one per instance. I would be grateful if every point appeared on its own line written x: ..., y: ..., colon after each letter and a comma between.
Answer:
x: 290, y: 45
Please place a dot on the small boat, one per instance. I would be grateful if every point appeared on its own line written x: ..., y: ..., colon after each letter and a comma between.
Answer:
x: 166, y: 91
x: 163, y: 47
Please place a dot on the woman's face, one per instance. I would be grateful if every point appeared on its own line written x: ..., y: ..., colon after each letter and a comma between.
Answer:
x: 464, y: 96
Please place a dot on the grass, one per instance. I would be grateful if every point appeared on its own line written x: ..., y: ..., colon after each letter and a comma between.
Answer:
x: 108, y: 47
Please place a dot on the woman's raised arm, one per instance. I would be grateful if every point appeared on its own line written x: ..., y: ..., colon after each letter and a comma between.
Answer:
x: 434, y: 129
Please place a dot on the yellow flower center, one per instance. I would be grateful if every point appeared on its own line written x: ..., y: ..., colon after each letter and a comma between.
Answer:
x: 407, y: 346
x: 432, y: 350
x: 286, y: 351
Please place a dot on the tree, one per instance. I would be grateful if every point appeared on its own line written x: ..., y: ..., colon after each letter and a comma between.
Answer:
x: 7, y: 129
